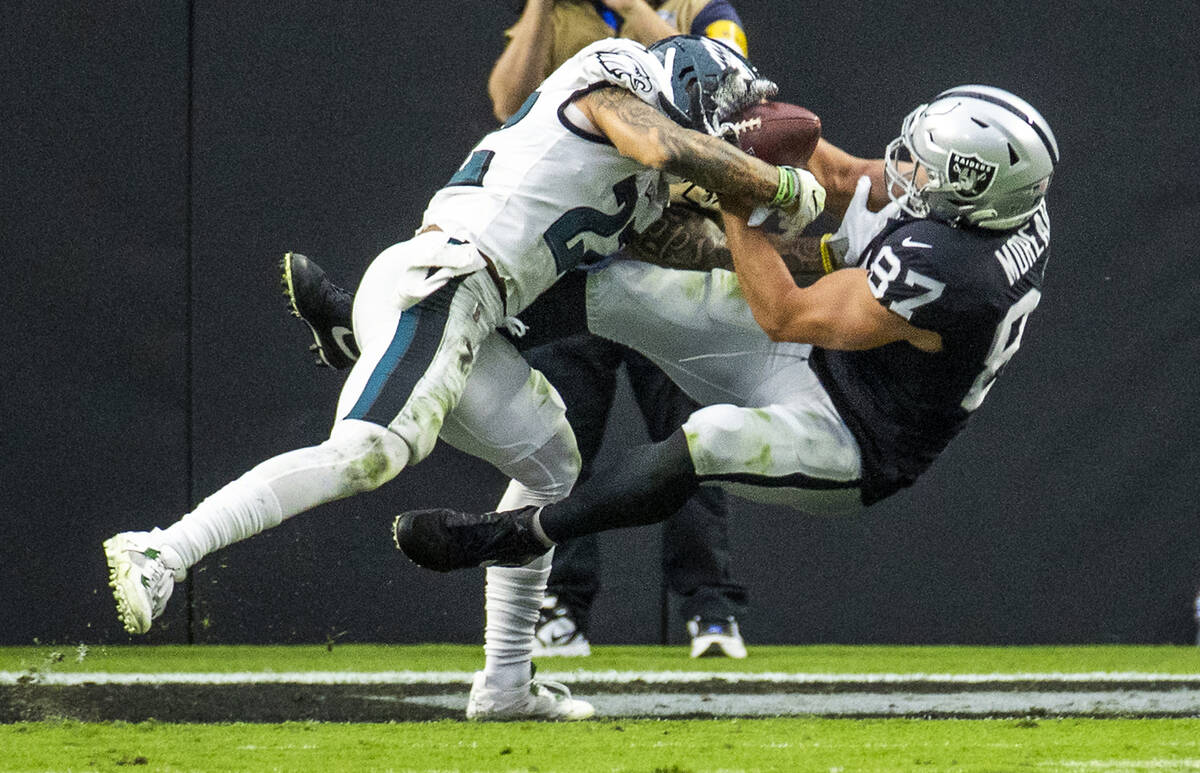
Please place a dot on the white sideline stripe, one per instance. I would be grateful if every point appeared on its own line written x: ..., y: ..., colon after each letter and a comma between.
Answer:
x: 581, y: 677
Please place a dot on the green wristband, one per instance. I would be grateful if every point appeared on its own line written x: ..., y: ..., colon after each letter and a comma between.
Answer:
x: 789, y: 185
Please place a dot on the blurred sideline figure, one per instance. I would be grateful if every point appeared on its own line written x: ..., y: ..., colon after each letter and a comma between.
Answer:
x: 1196, y: 616
x: 510, y: 221
x: 829, y: 397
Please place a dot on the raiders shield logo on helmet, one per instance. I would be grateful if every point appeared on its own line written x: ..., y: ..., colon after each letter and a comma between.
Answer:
x: 970, y: 175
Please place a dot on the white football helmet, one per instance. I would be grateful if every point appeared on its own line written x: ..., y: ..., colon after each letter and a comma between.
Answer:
x: 975, y: 155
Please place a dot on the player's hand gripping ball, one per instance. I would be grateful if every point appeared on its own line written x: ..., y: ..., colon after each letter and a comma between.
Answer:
x: 777, y: 132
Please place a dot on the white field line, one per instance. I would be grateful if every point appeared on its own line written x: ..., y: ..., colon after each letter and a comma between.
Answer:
x: 588, y: 677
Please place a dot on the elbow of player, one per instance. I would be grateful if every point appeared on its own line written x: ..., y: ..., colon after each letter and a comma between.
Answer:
x: 505, y: 100
x: 779, y: 327
x: 804, y: 329
x: 778, y: 335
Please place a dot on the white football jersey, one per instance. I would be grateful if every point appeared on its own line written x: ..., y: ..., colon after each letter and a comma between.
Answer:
x: 545, y: 192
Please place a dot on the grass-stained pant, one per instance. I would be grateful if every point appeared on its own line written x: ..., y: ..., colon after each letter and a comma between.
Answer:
x: 432, y: 365
x: 769, y: 431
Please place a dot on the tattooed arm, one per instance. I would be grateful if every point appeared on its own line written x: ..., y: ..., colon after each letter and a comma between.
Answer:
x: 686, y: 238
x: 644, y: 134
x: 838, y: 311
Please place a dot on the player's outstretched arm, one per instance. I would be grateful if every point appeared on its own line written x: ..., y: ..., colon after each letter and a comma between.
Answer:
x: 642, y: 133
x: 838, y: 311
x: 838, y: 172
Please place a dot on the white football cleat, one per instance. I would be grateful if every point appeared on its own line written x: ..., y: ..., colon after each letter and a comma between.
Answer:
x: 716, y: 638
x: 536, y: 699
x: 557, y: 634
x: 140, y: 577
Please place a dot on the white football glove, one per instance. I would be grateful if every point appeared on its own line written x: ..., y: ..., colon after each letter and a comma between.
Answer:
x: 808, y: 205
x: 859, y: 226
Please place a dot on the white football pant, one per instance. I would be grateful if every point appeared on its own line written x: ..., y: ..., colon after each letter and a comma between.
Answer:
x: 769, y: 431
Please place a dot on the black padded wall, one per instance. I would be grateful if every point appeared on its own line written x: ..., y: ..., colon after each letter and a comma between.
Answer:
x: 94, y: 248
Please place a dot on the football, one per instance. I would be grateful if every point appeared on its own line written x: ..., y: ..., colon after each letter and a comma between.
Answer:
x: 778, y: 132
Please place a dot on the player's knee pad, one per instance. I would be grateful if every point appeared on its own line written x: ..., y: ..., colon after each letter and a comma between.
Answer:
x: 730, y: 440
x: 367, y: 454
x: 511, y: 417
x: 775, y: 455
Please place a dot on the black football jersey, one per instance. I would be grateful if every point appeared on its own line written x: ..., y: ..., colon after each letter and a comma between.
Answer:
x: 974, y: 287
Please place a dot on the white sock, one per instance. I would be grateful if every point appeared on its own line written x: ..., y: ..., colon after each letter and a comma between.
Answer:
x: 286, y: 485
x: 236, y: 511
x: 512, y: 599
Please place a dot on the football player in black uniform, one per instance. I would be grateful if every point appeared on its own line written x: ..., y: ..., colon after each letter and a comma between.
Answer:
x: 861, y: 379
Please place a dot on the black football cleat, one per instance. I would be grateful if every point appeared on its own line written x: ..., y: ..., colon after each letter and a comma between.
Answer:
x: 324, y: 307
x: 445, y: 540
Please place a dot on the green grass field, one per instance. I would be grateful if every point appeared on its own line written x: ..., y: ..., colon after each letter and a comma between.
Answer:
x: 778, y: 744
x: 831, y: 659
x: 642, y: 745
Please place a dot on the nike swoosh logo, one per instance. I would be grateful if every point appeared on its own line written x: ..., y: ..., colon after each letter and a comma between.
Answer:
x: 344, y: 338
x: 908, y: 242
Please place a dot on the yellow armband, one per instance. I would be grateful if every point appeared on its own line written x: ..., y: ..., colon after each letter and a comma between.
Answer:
x: 826, y: 256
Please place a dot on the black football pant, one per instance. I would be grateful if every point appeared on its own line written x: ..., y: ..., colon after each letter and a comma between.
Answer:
x: 695, y: 540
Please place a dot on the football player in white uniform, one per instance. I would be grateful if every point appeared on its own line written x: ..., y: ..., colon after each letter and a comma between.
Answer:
x: 827, y: 397
x: 579, y: 169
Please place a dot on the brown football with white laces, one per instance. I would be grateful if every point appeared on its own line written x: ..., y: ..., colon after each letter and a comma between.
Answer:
x: 778, y: 132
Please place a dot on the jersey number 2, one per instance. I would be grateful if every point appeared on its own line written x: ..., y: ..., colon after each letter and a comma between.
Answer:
x: 562, y: 237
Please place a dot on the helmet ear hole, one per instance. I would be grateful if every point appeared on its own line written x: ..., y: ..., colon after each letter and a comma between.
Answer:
x: 1013, y: 158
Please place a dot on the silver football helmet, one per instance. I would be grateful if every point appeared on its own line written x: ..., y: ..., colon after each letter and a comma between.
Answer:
x: 975, y: 155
